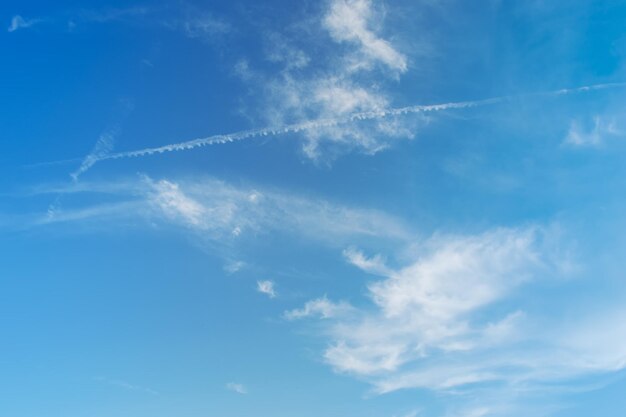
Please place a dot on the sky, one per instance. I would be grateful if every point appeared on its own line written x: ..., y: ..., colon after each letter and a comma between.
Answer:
x: 338, y: 208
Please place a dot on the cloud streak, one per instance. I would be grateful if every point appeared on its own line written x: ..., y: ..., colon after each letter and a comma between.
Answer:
x: 126, y: 385
x: 221, y: 212
x: 18, y: 22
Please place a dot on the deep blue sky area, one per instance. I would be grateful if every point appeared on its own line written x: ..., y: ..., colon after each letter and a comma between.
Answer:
x: 338, y: 208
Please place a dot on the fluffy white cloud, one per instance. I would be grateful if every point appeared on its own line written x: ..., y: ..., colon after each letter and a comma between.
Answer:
x: 266, y: 287
x: 293, y: 99
x: 340, y: 98
x: 347, y: 81
x: 459, y: 275
x: 350, y: 21
x: 446, y: 321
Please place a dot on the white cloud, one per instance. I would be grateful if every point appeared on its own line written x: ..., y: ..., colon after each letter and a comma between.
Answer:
x: 593, y: 136
x: 459, y: 275
x: 175, y: 204
x: 453, y: 319
x: 238, y: 388
x: 266, y: 287
x: 349, y: 21
x: 336, y: 87
x: 333, y: 106
x: 18, y: 22
x: 374, y: 265
x: 341, y: 98
x: 429, y: 310
x: 322, y: 308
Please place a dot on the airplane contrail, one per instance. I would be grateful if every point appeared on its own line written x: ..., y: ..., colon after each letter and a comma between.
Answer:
x: 102, y: 148
x: 329, y: 122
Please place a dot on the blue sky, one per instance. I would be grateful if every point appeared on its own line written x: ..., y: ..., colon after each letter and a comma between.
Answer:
x: 342, y: 208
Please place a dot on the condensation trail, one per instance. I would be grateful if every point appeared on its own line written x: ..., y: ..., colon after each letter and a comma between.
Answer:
x: 329, y: 122
x: 102, y: 148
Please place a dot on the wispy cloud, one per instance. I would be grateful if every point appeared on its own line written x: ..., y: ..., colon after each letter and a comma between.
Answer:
x: 18, y: 22
x: 205, y: 26
x: 213, y: 208
x: 236, y: 387
x: 104, y: 145
x: 266, y: 287
x: 373, y: 265
x: 126, y: 385
x: 194, y: 23
x: 322, y: 308
x: 218, y: 211
x: 590, y: 136
x: 114, y: 14
x: 70, y: 19
x: 103, y: 213
x: 280, y: 49
x: 232, y: 267
x: 175, y: 204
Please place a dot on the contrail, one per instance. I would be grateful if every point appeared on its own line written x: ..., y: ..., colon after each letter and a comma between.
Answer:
x: 297, y: 127
x: 105, y: 143
x: 102, y: 148
x: 52, y: 163
x: 329, y: 122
